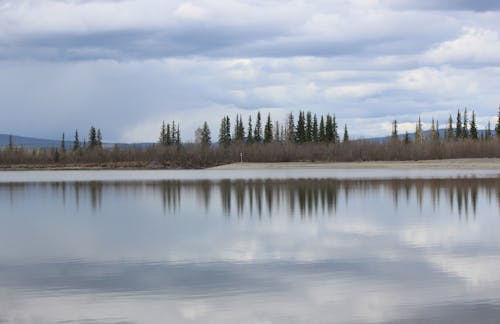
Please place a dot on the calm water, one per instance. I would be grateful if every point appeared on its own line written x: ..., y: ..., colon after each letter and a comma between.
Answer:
x: 339, y: 246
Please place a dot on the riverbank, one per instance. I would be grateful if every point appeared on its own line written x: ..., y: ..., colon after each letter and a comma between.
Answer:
x: 483, y: 163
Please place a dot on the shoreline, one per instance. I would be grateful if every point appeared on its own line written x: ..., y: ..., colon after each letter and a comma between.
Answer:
x: 472, y: 163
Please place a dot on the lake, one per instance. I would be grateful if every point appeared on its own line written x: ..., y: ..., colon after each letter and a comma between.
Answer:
x: 250, y: 246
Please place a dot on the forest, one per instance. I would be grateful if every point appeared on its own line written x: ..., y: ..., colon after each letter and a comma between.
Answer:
x: 308, y: 137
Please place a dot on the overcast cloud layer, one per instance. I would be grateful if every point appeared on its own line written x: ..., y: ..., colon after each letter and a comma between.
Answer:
x: 125, y: 66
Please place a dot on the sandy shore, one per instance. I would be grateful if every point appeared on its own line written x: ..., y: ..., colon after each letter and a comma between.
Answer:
x: 430, y: 164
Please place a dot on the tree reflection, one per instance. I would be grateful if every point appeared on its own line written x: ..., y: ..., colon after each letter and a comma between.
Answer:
x: 302, y: 198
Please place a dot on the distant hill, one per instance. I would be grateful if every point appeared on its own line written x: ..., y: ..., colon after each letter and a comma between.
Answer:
x: 33, y: 142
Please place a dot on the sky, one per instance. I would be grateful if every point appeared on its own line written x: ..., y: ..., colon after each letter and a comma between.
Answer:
x: 126, y: 65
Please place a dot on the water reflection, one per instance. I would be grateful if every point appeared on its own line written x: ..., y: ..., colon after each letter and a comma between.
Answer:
x: 257, y: 197
x: 255, y: 250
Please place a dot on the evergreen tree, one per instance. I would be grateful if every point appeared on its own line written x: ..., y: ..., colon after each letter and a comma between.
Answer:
x: 315, y: 131
x: 92, y: 137
x: 300, y: 132
x: 163, y: 134
x: 449, y: 131
x: 99, y: 138
x: 11, y: 143
x: 458, y: 127
x: 250, y: 130
x: 419, y: 132
x: 168, y: 136
x: 322, y: 134
x: 76, y: 141
x: 178, y: 135
x: 497, y: 127
x: 225, y: 132
x: 206, y: 139
x: 329, y: 133
x: 438, y: 134
x: 465, y: 128
x: 433, y: 135
x: 290, y: 129
x: 277, y: 136
x: 473, y: 127
x: 268, y: 130
x: 394, y: 134
x: 407, y: 138
x: 336, y: 137
x: 239, y: 129
x: 257, y: 137
x: 309, y: 127
x: 487, y: 132
x: 346, y: 134
x: 63, y: 144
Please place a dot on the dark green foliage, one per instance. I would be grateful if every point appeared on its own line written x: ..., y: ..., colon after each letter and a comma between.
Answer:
x: 92, y: 137
x: 99, y: 138
x: 300, y: 132
x: 465, y: 128
x: 336, y: 137
x: 268, y: 130
x: 322, y: 134
x: 63, y: 144
x: 290, y: 129
x: 329, y: 133
x: 497, y: 127
x: 250, y: 130
x: 458, y: 126
x: 11, y: 144
x: 473, y: 127
x: 346, y: 134
x: 407, y: 138
x: 76, y: 141
x: 239, y: 129
x: 206, y: 139
x: 225, y: 132
x: 309, y: 127
x: 315, y: 131
x: 394, y: 134
x: 257, y: 135
x: 449, y: 130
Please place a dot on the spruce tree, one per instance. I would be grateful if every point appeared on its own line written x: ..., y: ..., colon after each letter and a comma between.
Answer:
x: 206, y: 139
x: 458, y: 126
x: 239, y: 130
x: 309, y: 127
x: 76, y: 141
x: 315, y: 131
x: 92, y: 137
x: 497, y: 127
x: 168, y: 136
x: 268, y: 130
x: 257, y: 137
x: 407, y: 138
x: 419, y: 132
x: 276, y: 136
x: 346, y: 134
x: 11, y: 143
x: 329, y: 133
x: 290, y: 129
x: 465, y: 128
x: 63, y: 144
x: 473, y: 127
x: 163, y: 134
x: 250, y: 130
x: 336, y: 137
x: 223, y: 139
x: 99, y: 138
x: 487, y: 132
x: 438, y: 134
x: 433, y: 135
x: 449, y: 131
x: 300, y: 132
x: 322, y: 134
x: 394, y: 134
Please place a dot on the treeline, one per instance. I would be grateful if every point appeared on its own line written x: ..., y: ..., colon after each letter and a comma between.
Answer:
x: 308, y: 137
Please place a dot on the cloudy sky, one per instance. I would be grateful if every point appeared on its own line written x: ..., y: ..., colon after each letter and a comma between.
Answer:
x: 126, y: 65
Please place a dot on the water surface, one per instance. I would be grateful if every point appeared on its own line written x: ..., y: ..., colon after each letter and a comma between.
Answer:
x: 249, y: 249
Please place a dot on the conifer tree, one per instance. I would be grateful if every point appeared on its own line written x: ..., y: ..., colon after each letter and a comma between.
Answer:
x: 99, y: 138
x: 419, y: 132
x: 92, y: 137
x: 239, y: 130
x: 438, y: 134
x: 465, y: 128
x: 168, y: 136
x: 257, y: 137
x: 329, y: 133
x: 76, y: 141
x: 225, y: 132
x: 346, y: 134
x: 300, y: 132
x: 290, y: 129
x: 458, y: 126
x: 206, y: 139
x: 277, y: 136
x: 268, y: 130
x: 178, y: 135
x: 407, y: 138
x: 336, y: 137
x: 322, y: 134
x: 315, y: 131
x: 394, y: 134
x: 11, y: 143
x: 163, y: 134
x: 309, y: 127
x: 449, y: 131
x: 63, y: 144
x: 433, y: 135
x: 487, y: 132
x: 497, y: 127
x: 250, y: 130
x: 473, y: 127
